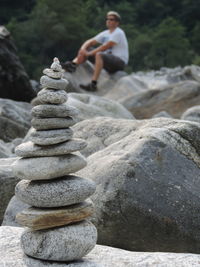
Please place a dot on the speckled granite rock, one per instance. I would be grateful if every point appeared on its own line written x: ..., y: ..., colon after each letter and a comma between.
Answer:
x: 54, y: 111
x: 67, y: 243
x: 60, y: 192
x: 52, y: 96
x: 60, y: 84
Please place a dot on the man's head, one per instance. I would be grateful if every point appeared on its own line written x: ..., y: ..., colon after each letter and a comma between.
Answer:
x: 112, y: 19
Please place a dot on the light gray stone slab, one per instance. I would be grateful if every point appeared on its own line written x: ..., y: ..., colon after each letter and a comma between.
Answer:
x: 61, y: 192
x: 43, y: 218
x: 29, y: 149
x: 66, y: 243
x: 52, y: 96
x: 43, y: 168
x: 50, y: 137
x: 52, y: 123
x: 52, y: 74
x: 101, y: 256
x: 48, y: 82
x: 54, y: 111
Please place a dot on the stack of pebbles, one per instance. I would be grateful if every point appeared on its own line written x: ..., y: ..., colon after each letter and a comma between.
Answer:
x: 57, y: 229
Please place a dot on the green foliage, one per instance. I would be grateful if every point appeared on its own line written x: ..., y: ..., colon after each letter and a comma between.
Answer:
x: 160, y: 33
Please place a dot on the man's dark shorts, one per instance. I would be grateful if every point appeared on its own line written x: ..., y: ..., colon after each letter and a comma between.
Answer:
x: 111, y: 63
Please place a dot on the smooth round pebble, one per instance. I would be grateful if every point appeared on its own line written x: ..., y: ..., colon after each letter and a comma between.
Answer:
x: 53, y: 74
x: 52, y: 96
x: 60, y: 244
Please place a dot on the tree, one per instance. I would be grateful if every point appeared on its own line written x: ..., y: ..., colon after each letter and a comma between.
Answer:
x: 170, y: 47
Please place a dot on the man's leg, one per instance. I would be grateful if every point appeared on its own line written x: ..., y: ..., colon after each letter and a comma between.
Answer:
x: 97, y: 67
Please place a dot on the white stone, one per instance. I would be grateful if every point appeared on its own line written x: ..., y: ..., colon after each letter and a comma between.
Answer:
x: 61, y: 192
x: 48, y: 82
x: 42, y: 168
x: 29, y: 149
x: 52, y: 96
x: 50, y: 111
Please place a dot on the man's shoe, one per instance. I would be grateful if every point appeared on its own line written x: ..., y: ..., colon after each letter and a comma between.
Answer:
x: 69, y: 66
x: 89, y: 87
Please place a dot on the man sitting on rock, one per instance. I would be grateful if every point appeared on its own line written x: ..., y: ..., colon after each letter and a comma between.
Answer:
x: 111, y: 54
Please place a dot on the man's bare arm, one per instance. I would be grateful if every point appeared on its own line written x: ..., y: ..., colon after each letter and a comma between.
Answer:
x: 102, y: 47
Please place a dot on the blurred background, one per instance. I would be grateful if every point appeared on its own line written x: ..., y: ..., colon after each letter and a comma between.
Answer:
x: 162, y: 33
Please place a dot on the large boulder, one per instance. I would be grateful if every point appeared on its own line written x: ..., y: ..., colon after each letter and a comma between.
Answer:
x: 91, y: 106
x: 8, y: 182
x: 15, y: 119
x: 126, y: 87
x: 147, y: 175
x: 14, y: 81
x: 83, y: 75
x: 101, y: 256
x: 8, y: 149
x: 174, y: 99
x: 192, y: 114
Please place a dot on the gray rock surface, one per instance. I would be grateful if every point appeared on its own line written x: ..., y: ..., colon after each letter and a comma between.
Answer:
x: 192, y: 114
x: 15, y: 119
x: 7, y: 184
x: 54, y: 111
x: 43, y: 168
x: 50, y: 137
x: 52, y: 123
x: 57, y: 193
x: 66, y: 243
x: 126, y: 87
x: 29, y: 149
x: 101, y: 256
x: 162, y: 114
x: 14, y: 206
x: 173, y: 98
x: 147, y: 176
x: 52, y: 96
x: 91, y: 106
x: 47, y: 82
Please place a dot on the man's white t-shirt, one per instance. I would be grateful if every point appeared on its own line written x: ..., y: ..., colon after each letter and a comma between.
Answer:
x: 117, y: 36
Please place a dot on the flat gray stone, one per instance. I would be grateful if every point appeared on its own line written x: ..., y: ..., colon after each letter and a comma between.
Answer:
x: 54, y: 111
x: 60, y: 192
x: 52, y: 96
x: 29, y: 149
x: 43, y: 168
x: 66, y: 243
x: 43, y: 218
x: 50, y: 137
x: 52, y: 123
x: 53, y: 74
x: 48, y: 82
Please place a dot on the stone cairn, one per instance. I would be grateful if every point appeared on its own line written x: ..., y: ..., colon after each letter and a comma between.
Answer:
x: 57, y: 226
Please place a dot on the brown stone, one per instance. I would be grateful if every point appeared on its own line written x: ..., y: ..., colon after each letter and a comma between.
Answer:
x: 44, y: 218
